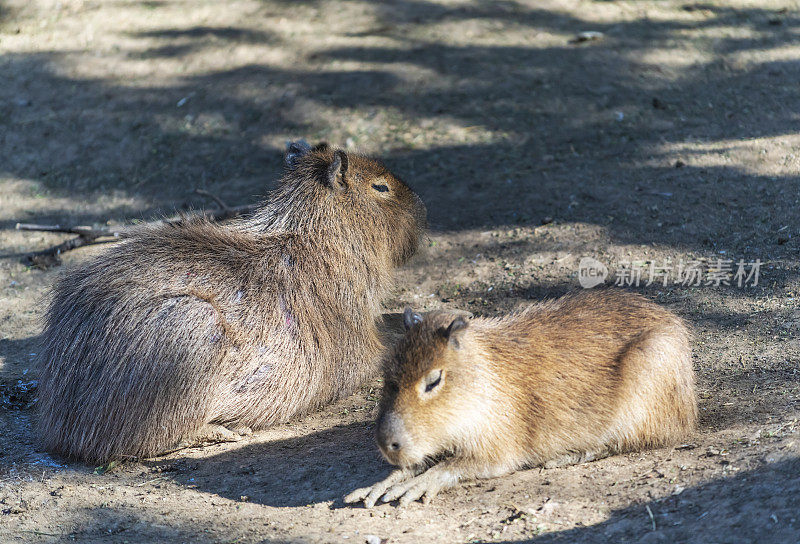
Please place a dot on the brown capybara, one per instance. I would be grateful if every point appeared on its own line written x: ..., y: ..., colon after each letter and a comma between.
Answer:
x: 565, y: 381
x: 192, y: 329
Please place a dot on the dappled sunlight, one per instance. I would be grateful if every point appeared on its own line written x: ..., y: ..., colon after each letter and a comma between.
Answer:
x: 770, y: 57
x: 414, y: 77
x: 777, y: 156
x: 663, y: 63
x: 668, y: 134
x: 22, y: 199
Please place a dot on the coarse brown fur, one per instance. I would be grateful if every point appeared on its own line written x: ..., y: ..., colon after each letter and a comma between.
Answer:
x: 581, y: 377
x: 243, y: 325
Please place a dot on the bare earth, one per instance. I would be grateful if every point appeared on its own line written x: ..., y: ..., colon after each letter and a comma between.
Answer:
x: 672, y: 138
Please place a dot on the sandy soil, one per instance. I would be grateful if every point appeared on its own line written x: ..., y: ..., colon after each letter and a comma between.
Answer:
x: 672, y: 138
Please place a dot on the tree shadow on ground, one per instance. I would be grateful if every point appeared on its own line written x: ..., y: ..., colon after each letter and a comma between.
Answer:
x: 20, y: 355
x: 759, y: 505
x: 318, y: 467
x: 114, y: 524
x: 587, y: 133
x: 325, y: 465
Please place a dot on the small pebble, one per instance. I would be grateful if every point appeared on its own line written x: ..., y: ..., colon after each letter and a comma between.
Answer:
x: 372, y: 539
x: 588, y: 36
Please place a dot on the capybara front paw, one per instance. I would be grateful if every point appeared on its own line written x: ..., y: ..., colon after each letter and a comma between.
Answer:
x: 371, y: 494
x: 425, y: 486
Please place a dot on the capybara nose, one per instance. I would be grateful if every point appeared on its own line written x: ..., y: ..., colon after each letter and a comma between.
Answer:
x: 390, y: 433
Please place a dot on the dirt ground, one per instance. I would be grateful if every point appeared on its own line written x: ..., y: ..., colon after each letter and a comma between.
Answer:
x: 672, y: 138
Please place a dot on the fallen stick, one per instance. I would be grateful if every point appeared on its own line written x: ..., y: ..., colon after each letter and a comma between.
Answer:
x: 215, y: 198
x: 89, y: 236
x: 83, y: 231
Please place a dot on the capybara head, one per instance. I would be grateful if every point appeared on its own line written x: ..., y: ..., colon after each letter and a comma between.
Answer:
x: 327, y: 191
x: 432, y: 397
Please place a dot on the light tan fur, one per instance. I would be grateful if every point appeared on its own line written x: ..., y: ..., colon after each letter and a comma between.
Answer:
x: 574, y: 379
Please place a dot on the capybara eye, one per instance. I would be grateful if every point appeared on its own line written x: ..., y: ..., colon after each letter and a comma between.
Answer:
x: 381, y: 188
x: 433, y: 380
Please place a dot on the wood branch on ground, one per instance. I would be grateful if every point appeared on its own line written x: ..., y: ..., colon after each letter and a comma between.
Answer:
x: 91, y: 236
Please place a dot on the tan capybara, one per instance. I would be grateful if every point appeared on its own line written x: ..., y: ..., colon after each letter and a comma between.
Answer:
x: 193, y: 329
x: 570, y: 380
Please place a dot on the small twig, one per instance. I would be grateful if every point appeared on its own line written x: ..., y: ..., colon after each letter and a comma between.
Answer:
x: 215, y: 198
x: 41, y: 533
x: 89, y: 236
x: 83, y: 232
x: 151, y: 481
x: 230, y: 213
x: 53, y: 228
x: 86, y: 236
x: 652, y: 518
x: 49, y: 257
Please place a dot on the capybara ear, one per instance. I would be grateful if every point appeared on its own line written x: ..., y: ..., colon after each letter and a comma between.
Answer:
x: 295, y: 150
x: 454, y: 331
x: 411, y: 318
x: 337, y: 171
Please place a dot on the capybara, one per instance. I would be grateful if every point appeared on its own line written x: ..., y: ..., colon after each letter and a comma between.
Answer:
x: 192, y: 329
x: 565, y: 381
